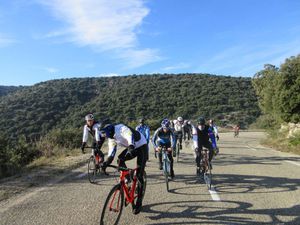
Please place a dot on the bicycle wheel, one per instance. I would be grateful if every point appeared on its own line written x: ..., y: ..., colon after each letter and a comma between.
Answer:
x: 178, y: 151
x: 113, y: 206
x: 166, y: 174
x: 208, y: 176
x: 92, y: 169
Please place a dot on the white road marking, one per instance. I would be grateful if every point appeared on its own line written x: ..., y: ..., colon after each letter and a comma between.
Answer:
x: 214, y: 195
x: 292, y: 162
x: 251, y: 148
x: 81, y: 175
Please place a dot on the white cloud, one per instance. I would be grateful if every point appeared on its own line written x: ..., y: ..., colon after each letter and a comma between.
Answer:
x: 108, y: 75
x: 178, y: 66
x: 104, y: 25
x: 50, y: 69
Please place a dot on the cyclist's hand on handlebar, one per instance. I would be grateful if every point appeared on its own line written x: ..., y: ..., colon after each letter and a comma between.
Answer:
x: 130, y: 150
x: 170, y: 149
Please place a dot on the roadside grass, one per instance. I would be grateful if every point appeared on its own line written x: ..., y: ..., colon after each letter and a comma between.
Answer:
x: 279, y: 141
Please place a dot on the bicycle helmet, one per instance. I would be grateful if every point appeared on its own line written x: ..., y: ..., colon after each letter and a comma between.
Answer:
x: 180, y: 119
x: 107, y: 128
x: 165, y: 123
x: 201, y: 121
x: 89, y: 116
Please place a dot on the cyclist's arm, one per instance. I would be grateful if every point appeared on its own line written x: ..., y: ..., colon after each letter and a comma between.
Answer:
x: 195, y: 137
x: 85, y: 134
x: 112, y: 149
x: 173, y: 139
x: 147, y: 134
x: 154, y: 138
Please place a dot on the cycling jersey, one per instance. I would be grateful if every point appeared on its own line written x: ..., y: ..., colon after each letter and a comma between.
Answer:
x: 125, y: 136
x: 94, y: 131
x: 200, y: 137
x: 165, y: 138
x: 145, y: 130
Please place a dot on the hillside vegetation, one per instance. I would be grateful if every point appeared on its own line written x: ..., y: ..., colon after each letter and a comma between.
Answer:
x: 278, y: 91
x: 49, y: 115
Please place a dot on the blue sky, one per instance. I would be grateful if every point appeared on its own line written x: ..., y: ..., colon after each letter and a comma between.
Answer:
x: 50, y: 39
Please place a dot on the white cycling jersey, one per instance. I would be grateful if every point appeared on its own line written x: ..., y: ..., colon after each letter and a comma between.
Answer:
x: 178, y: 127
x: 94, y: 131
x: 124, y: 137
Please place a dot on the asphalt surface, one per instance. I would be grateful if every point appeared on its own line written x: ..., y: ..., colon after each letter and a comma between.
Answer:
x: 251, y: 185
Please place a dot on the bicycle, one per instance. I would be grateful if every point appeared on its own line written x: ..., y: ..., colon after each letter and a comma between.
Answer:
x: 205, y: 167
x: 114, y: 203
x: 94, y: 160
x: 166, y: 164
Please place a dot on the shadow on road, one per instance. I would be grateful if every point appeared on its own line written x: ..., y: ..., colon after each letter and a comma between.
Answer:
x: 235, y: 213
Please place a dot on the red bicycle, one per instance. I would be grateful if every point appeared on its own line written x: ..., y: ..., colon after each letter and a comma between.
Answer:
x: 123, y: 193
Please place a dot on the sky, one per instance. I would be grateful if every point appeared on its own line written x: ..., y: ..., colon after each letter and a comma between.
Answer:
x: 42, y: 40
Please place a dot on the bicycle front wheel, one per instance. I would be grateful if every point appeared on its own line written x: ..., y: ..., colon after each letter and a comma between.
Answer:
x: 166, y: 173
x: 113, y: 206
x: 92, y: 169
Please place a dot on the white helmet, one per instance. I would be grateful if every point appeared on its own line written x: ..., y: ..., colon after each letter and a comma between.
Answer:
x: 89, y: 117
x: 180, y: 119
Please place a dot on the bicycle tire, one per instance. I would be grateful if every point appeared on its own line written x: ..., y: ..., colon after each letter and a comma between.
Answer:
x: 208, y: 175
x: 166, y: 174
x: 92, y: 169
x: 116, y: 191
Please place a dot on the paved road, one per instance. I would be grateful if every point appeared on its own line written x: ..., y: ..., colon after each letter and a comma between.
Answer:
x: 252, y: 185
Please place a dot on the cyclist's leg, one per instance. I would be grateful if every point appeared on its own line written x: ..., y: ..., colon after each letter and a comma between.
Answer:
x: 141, y: 154
x: 180, y: 140
x: 210, y: 154
x: 171, y: 164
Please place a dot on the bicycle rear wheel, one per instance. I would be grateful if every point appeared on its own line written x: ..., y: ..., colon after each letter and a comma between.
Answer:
x: 113, y: 206
x: 92, y: 171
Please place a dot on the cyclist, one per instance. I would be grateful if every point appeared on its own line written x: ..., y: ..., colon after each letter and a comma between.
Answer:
x: 236, y: 130
x: 201, y: 139
x: 178, y: 127
x: 135, y: 146
x: 145, y: 130
x: 164, y: 136
x: 213, y: 133
x: 186, y: 130
x: 92, y: 127
x: 214, y: 128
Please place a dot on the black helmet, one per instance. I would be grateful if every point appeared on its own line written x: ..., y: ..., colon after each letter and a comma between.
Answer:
x: 104, y: 123
x: 201, y: 121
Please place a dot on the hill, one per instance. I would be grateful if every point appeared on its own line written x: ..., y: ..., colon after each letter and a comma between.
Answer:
x: 4, y: 90
x: 35, y: 110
